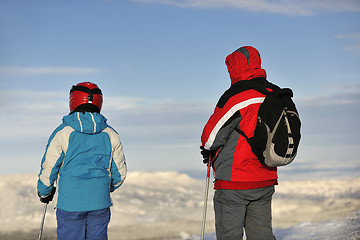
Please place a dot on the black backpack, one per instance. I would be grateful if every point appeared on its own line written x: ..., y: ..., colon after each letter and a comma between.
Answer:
x: 277, y: 132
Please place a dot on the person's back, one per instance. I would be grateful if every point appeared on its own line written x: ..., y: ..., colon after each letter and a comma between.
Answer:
x: 238, y: 108
x: 85, y: 156
x: 242, y: 183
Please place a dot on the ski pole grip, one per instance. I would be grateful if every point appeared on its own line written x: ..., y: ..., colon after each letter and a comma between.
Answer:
x: 209, y: 166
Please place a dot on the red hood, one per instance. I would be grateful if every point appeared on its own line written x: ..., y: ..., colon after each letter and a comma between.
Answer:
x: 244, y: 64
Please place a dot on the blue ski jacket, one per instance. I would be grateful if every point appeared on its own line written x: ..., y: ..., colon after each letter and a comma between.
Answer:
x: 84, y: 154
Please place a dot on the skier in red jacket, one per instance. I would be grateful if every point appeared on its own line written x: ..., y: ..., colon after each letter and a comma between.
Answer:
x: 244, y: 187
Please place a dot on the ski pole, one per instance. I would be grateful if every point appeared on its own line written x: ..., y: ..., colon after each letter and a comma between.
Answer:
x: 43, y: 220
x: 206, y: 198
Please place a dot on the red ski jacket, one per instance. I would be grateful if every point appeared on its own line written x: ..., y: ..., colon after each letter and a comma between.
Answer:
x: 236, y: 166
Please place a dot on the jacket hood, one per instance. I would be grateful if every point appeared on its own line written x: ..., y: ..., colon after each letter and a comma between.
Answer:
x: 244, y: 64
x: 87, y: 122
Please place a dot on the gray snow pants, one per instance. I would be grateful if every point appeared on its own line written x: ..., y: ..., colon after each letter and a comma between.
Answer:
x: 238, y: 209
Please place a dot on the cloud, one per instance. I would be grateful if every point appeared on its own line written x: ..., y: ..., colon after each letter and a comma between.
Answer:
x: 13, y: 71
x: 331, y: 121
x: 344, y: 95
x: 353, y: 42
x: 286, y: 7
x: 36, y: 112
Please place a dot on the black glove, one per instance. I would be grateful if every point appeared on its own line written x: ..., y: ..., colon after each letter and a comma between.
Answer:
x: 206, y: 153
x: 48, y: 198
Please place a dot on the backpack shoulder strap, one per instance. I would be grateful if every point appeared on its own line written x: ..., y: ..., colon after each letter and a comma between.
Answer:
x: 259, y: 84
x: 242, y: 133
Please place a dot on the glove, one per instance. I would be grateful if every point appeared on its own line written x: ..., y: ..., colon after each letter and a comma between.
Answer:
x: 48, y: 198
x: 206, y: 153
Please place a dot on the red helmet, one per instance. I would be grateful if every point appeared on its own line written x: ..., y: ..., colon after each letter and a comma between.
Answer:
x: 85, y: 93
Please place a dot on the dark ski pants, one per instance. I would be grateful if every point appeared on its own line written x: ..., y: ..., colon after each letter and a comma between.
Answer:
x: 238, y: 209
x: 89, y: 225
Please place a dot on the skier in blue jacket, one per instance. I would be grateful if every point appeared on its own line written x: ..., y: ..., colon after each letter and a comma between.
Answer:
x: 85, y: 157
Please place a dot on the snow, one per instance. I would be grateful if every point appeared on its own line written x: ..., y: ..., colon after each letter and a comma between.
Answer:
x: 168, y: 205
x: 339, y: 229
x: 347, y: 228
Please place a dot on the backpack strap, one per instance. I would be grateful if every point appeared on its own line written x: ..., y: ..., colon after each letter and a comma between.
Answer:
x: 242, y: 133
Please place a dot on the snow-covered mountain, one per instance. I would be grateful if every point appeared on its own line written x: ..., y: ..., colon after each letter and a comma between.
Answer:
x: 168, y: 205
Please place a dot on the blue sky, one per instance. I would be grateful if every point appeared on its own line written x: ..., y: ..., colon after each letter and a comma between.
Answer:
x: 160, y: 65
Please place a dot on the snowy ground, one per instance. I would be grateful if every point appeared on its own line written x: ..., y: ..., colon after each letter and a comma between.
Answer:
x: 168, y: 205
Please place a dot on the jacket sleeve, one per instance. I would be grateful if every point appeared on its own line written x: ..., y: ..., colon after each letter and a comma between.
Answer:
x: 219, y: 127
x: 51, y: 162
x: 118, y: 168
